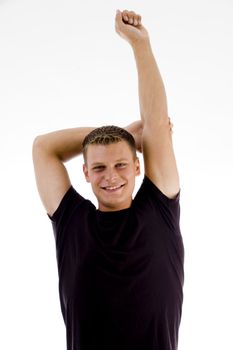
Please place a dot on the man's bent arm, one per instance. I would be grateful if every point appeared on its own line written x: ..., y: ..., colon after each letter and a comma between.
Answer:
x: 50, y: 151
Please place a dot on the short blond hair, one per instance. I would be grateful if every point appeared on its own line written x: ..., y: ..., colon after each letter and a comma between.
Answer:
x: 106, y: 135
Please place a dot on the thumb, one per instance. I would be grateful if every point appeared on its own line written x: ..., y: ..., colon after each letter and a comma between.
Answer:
x: 119, y: 24
x: 118, y: 15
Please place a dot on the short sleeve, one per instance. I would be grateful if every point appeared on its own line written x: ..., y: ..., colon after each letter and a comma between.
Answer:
x: 169, y: 208
x: 160, y: 195
x: 69, y: 203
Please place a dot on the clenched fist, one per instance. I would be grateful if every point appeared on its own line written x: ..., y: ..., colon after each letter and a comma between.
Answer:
x: 128, y: 26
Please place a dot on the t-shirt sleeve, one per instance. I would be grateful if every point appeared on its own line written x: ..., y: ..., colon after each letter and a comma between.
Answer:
x: 69, y: 203
x: 153, y: 197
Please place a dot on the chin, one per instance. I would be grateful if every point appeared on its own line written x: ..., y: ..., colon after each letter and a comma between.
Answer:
x: 114, y: 205
x: 107, y: 201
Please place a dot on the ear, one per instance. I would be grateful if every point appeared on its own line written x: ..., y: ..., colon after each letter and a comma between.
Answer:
x: 137, y: 167
x: 85, y: 171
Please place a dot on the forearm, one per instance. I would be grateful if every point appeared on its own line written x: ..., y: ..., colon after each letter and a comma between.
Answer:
x: 63, y: 144
x: 152, y: 95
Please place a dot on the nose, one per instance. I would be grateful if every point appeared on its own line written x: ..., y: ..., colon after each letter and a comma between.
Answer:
x: 111, y: 175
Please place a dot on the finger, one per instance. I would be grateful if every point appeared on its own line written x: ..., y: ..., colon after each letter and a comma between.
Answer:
x: 125, y: 16
x: 136, y: 19
x: 131, y: 17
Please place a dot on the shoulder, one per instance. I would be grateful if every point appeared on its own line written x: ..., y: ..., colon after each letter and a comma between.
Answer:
x: 151, y: 202
x: 148, y: 190
x: 72, y: 202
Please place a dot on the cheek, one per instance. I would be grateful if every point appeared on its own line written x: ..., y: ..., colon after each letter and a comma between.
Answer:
x: 95, y: 178
x: 129, y: 173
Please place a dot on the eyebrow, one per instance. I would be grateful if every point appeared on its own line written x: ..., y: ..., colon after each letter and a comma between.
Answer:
x: 117, y: 161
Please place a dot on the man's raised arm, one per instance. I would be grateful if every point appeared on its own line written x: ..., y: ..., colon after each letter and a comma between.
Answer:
x: 159, y: 158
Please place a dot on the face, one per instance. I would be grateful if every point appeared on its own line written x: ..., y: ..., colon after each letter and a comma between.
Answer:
x: 111, y: 170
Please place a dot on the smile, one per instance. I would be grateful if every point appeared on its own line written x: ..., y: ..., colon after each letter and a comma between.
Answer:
x: 112, y: 188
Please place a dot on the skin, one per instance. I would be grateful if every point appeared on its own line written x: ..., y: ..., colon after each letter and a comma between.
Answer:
x: 152, y: 136
x: 111, y: 170
x: 158, y: 153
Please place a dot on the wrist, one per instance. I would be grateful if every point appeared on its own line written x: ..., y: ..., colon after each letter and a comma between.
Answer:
x: 141, y: 45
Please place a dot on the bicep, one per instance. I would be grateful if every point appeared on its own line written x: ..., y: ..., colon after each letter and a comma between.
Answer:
x: 51, y: 177
x: 159, y: 158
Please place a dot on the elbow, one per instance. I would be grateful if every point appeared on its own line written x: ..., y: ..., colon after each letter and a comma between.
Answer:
x: 38, y: 146
x: 37, y: 143
x: 43, y: 145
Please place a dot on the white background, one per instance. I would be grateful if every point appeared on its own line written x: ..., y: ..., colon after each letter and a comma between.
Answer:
x: 62, y: 65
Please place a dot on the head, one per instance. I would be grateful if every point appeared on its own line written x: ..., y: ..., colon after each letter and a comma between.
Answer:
x: 111, y: 165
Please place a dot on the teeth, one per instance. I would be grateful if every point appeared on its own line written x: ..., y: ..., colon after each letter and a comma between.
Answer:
x: 112, y: 187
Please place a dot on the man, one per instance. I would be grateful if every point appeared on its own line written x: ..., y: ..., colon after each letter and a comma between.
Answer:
x: 121, y: 265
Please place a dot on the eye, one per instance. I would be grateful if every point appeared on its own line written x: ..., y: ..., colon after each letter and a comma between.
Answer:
x: 121, y: 165
x: 98, y: 168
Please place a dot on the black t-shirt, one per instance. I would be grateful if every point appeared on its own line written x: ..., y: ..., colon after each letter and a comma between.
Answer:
x: 120, y: 273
